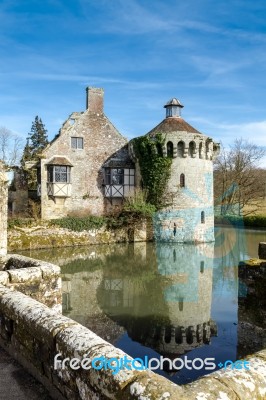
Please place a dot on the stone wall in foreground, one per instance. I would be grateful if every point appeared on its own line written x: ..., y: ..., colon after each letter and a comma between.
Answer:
x: 3, y: 211
x: 37, y: 279
x: 34, y: 334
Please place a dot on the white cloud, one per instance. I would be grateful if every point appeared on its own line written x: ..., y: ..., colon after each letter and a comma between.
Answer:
x: 252, y: 131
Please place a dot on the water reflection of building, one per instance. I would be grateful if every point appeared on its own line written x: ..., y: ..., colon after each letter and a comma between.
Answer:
x: 168, y: 306
x: 79, y: 294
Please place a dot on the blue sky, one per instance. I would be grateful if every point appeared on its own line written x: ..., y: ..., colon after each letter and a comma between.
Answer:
x: 209, y: 54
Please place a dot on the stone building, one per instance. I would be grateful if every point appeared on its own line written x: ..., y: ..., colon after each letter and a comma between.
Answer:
x: 80, y: 170
x: 89, y: 168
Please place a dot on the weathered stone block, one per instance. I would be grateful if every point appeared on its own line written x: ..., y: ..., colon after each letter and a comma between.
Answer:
x: 152, y: 386
x: 30, y: 275
x: 50, y: 270
x: 44, y: 323
x: 4, y: 278
x: 37, y: 279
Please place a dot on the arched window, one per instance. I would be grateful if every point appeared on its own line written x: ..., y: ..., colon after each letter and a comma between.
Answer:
x: 182, y: 180
x: 159, y: 149
x: 180, y: 149
x: 191, y: 149
x: 206, y: 149
x: 170, y: 149
x: 202, y: 217
x: 200, y: 150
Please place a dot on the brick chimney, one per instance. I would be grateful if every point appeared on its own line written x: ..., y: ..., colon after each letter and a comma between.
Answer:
x: 94, y: 99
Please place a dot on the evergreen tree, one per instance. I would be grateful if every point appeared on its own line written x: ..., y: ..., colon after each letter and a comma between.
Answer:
x: 37, y: 140
x: 26, y: 156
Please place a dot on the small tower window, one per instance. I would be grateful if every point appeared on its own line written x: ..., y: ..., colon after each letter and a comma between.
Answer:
x: 180, y: 149
x: 202, y: 267
x: 159, y: 149
x: 202, y: 217
x: 182, y: 180
x: 170, y: 149
x: 207, y: 149
x: 191, y: 149
x: 200, y: 150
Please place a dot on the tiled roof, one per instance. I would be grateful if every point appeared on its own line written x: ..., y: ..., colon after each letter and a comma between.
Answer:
x: 118, y: 163
x: 59, y: 161
x: 170, y: 125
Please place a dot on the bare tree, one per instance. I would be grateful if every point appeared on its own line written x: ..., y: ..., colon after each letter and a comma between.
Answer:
x: 239, y: 183
x: 10, y: 147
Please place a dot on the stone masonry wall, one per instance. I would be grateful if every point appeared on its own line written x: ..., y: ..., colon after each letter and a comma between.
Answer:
x: 37, y: 279
x: 41, y: 237
x: 188, y: 202
x: 35, y: 334
x: 3, y: 212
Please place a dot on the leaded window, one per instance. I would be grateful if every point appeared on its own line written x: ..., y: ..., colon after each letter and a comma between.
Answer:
x: 58, y: 173
x: 77, y: 143
x: 114, y: 176
x: 118, y: 182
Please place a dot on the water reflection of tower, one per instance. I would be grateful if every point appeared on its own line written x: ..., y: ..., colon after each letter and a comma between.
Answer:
x: 188, y: 295
x: 168, y: 306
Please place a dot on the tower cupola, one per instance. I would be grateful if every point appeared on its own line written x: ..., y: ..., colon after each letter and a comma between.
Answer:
x: 173, y: 108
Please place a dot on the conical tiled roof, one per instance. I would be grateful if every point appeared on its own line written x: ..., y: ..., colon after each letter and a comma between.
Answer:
x: 171, y: 125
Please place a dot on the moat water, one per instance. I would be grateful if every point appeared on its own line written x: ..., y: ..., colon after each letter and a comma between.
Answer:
x: 163, y: 299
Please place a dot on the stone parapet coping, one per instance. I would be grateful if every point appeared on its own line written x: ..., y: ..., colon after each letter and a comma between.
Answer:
x: 35, y: 278
x: 34, y: 334
x: 19, y: 269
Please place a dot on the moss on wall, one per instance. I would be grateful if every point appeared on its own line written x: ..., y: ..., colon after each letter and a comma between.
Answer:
x: 24, y: 239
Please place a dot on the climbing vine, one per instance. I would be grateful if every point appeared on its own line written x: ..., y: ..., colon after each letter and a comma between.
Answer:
x: 155, y: 169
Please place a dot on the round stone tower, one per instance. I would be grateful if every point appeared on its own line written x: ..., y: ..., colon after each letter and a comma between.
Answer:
x: 188, y: 215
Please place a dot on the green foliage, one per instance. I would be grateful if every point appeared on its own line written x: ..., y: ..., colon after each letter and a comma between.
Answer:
x: 21, y: 222
x: 137, y: 204
x: 114, y: 222
x: 248, y: 221
x: 79, y: 224
x: 37, y: 140
x: 155, y: 169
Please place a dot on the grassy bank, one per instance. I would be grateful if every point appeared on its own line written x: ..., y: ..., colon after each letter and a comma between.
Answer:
x: 252, y: 221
